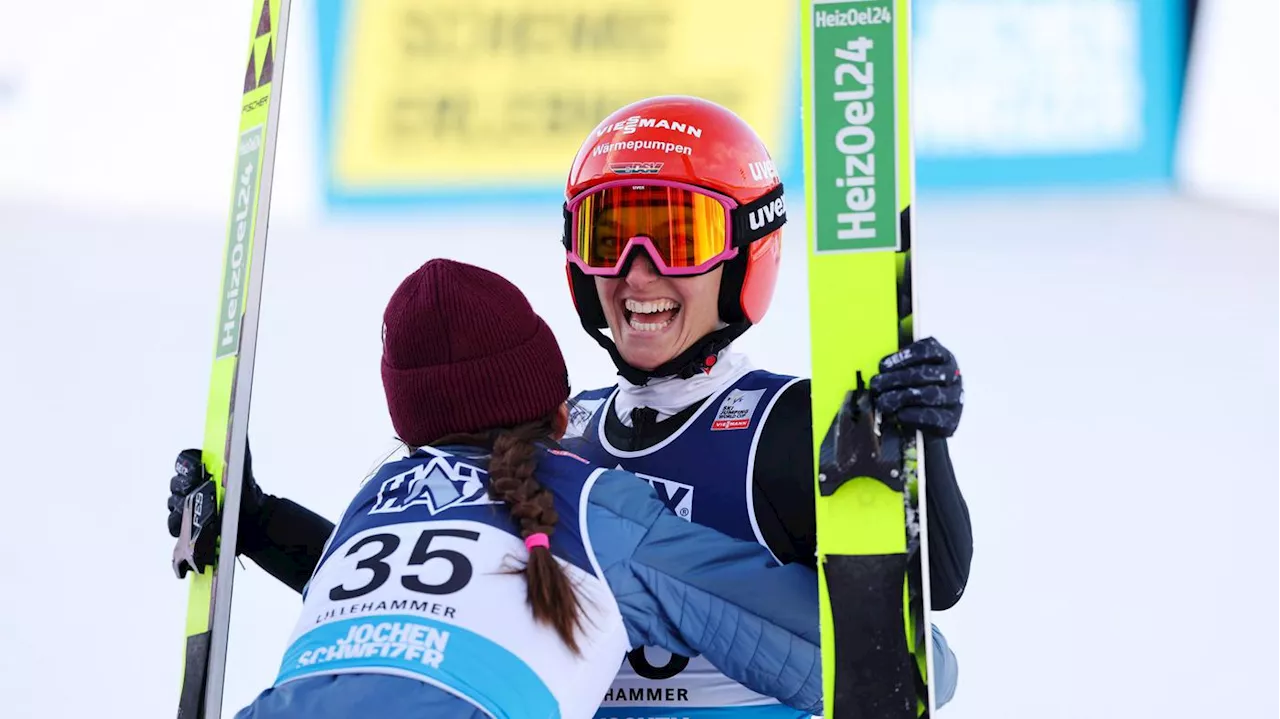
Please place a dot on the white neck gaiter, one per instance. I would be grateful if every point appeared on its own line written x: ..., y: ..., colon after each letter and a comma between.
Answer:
x: 670, y: 395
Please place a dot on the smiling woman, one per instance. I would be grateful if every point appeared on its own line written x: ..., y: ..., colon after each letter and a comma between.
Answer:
x: 676, y: 255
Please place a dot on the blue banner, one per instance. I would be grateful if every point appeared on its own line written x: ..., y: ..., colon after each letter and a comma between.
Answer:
x: 1045, y: 92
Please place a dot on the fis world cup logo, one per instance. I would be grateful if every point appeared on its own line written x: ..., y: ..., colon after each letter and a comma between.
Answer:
x: 580, y: 414
x: 438, y: 484
x: 737, y: 409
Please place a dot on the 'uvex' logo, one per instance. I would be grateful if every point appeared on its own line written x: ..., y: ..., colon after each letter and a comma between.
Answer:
x: 762, y: 216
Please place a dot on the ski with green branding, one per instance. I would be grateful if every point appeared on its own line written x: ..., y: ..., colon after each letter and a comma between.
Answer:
x: 859, y: 186
x: 227, y: 413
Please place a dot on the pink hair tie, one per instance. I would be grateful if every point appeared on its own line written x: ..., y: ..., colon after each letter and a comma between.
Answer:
x: 538, y: 539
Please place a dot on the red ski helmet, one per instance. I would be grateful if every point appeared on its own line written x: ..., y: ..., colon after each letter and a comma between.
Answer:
x: 687, y: 142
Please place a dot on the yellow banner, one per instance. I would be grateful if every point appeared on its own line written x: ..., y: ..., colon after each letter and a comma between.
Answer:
x: 443, y: 94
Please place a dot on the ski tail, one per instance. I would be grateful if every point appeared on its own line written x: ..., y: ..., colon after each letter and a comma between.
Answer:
x: 859, y: 188
x: 226, y: 420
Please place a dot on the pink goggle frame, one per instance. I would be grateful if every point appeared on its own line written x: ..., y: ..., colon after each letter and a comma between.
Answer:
x: 706, y: 218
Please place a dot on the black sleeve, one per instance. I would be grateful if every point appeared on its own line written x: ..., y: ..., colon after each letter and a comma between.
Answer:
x: 286, y: 539
x: 950, y: 533
x: 783, y: 494
x: 782, y: 485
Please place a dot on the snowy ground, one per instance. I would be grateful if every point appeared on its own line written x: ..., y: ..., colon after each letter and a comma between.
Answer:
x: 1118, y: 450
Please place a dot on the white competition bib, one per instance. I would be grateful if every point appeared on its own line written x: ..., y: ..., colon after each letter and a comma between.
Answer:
x: 431, y: 600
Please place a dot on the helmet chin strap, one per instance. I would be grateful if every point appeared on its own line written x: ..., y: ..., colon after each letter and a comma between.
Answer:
x: 699, y: 357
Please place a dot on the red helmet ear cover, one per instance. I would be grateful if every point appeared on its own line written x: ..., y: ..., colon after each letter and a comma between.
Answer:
x: 761, y: 277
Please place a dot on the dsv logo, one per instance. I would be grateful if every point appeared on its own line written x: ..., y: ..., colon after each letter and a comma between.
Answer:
x: 635, y: 168
x: 677, y: 496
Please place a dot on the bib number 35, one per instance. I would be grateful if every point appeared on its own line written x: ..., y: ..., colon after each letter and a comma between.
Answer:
x: 459, y: 573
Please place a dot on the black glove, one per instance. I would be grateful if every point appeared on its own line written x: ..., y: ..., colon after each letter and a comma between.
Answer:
x: 920, y: 388
x: 189, y: 475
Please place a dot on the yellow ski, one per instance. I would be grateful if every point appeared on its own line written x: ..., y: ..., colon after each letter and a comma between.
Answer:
x: 858, y: 194
x: 209, y: 602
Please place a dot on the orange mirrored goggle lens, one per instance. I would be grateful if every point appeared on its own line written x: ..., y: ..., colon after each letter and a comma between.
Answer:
x: 687, y: 228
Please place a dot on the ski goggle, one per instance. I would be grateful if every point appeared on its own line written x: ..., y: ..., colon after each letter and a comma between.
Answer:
x: 686, y: 230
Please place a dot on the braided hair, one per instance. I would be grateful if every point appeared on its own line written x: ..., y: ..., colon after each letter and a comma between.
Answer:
x: 551, y: 596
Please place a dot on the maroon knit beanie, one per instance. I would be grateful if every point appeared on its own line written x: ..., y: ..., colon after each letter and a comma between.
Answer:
x: 462, y: 351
